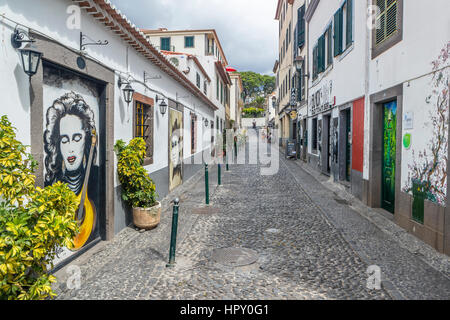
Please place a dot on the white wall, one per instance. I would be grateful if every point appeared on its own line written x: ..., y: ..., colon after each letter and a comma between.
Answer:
x: 49, y: 17
x: 347, y: 73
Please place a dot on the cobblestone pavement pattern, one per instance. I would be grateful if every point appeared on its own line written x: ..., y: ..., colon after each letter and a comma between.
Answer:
x: 301, y: 254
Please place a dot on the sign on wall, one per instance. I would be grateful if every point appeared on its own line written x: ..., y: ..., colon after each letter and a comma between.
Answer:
x: 71, y: 123
x: 175, y: 149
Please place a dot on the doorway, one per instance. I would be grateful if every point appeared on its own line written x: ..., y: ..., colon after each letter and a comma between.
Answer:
x: 389, y: 156
x: 348, y: 145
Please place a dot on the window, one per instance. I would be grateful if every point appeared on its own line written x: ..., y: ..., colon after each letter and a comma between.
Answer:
x: 165, y: 44
x: 314, y: 135
x: 387, y: 20
x: 143, y: 125
x: 329, y: 46
x: 188, y: 42
x: 290, y: 86
x: 301, y: 84
x: 389, y: 26
x: 349, y: 23
x: 315, y: 61
x: 301, y: 27
x: 198, y: 80
x: 289, y: 34
x: 217, y: 88
x: 221, y: 92
x: 205, y: 88
x: 338, y: 27
x: 321, y: 54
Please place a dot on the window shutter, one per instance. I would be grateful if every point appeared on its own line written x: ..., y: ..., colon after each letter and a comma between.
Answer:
x: 349, y: 27
x: 301, y: 26
x: 299, y: 85
x: 330, y: 46
x: 338, y: 32
x: 321, y: 54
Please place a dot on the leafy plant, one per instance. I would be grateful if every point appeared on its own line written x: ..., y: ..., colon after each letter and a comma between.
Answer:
x: 34, y: 222
x: 252, y: 113
x: 138, y: 189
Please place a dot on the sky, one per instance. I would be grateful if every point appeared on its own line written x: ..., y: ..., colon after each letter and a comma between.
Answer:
x: 247, y: 29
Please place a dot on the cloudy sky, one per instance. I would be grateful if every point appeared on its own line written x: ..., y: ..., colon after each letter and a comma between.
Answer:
x: 246, y: 28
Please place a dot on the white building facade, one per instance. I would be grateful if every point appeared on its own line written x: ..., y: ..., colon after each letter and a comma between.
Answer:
x: 83, y: 86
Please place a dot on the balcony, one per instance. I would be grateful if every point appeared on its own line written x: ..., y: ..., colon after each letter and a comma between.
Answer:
x: 171, y: 48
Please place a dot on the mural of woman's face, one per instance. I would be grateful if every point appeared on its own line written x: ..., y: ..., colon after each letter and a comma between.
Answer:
x: 175, y: 154
x: 72, y: 141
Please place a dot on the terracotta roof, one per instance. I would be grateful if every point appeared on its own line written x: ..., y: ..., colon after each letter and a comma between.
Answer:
x: 223, y: 74
x: 213, y: 31
x: 123, y: 28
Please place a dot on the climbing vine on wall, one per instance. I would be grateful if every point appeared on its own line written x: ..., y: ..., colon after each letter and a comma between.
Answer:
x: 429, y: 167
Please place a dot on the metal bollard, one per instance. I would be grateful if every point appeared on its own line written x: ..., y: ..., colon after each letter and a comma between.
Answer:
x: 207, y: 183
x: 219, y: 174
x: 173, y: 238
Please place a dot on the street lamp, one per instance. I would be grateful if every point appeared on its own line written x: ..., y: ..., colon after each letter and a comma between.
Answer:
x: 274, y: 101
x: 128, y: 92
x: 31, y: 58
x: 162, y: 105
x: 298, y: 63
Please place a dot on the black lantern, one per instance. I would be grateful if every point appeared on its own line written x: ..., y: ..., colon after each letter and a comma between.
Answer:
x: 31, y: 59
x: 206, y: 122
x: 274, y: 101
x: 298, y: 63
x: 128, y: 92
x: 162, y: 105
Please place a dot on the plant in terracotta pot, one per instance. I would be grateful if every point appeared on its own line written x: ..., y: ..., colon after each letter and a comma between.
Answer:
x: 138, y: 189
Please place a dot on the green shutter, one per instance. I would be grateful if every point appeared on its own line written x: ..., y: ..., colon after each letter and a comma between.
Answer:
x: 338, y: 21
x: 330, y: 46
x: 301, y: 26
x: 349, y: 27
x: 321, y: 60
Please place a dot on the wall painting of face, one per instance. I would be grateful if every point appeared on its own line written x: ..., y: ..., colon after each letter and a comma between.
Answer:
x: 175, y: 149
x: 71, y: 112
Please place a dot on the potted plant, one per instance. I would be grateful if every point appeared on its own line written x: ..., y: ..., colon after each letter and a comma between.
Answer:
x: 138, y: 189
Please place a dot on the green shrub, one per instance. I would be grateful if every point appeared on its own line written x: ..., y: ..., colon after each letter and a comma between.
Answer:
x: 138, y: 189
x: 252, y: 112
x: 34, y: 222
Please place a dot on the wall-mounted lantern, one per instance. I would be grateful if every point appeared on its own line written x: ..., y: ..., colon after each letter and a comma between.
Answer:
x: 162, y: 105
x: 31, y: 59
x: 31, y: 56
x: 128, y: 91
x: 206, y: 122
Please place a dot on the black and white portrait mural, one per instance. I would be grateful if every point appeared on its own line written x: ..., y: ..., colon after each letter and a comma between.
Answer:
x: 71, y: 118
x: 175, y: 149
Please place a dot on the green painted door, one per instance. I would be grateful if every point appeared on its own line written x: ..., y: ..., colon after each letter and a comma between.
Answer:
x: 389, y: 155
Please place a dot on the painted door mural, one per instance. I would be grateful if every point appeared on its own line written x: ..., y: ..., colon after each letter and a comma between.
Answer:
x: 175, y: 149
x: 389, y: 155
x: 71, y: 139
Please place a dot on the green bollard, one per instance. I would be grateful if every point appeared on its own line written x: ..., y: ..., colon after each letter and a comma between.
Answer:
x: 173, y: 238
x: 219, y: 174
x: 207, y: 183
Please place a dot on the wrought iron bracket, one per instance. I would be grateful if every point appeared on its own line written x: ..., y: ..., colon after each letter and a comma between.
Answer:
x: 84, y: 37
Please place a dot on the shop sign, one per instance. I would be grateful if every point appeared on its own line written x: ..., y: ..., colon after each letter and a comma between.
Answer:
x: 408, y: 120
x: 320, y: 100
x: 293, y: 115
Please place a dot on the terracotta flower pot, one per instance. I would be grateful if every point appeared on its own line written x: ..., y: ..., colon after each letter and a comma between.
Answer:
x: 147, y: 218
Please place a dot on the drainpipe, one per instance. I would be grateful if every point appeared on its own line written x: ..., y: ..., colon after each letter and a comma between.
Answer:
x: 367, y: 138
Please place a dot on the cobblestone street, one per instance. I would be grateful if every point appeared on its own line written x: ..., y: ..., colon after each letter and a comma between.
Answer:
x: 309, y: 244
